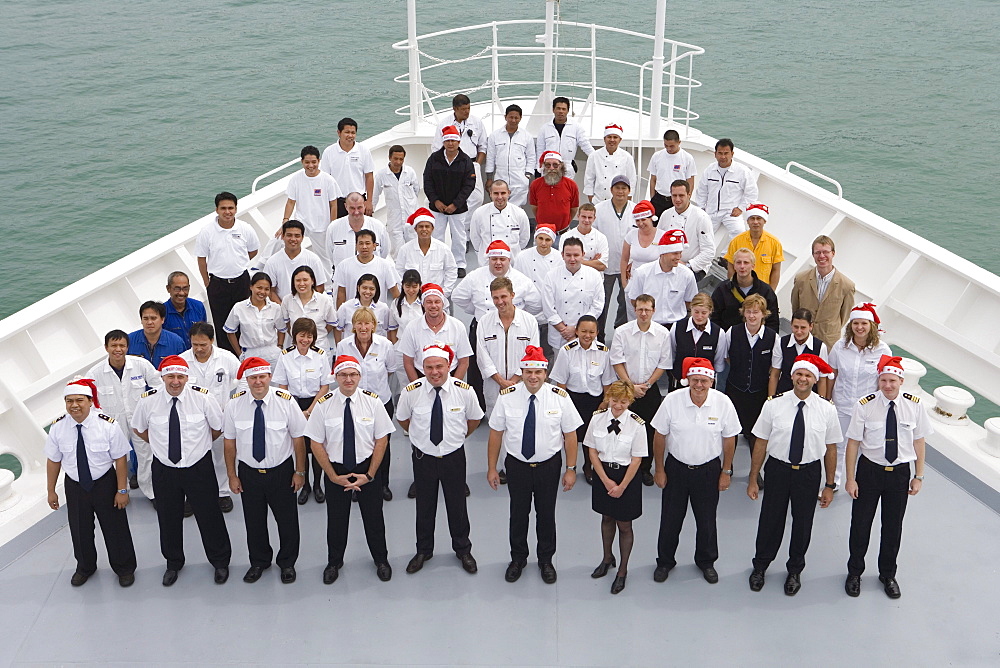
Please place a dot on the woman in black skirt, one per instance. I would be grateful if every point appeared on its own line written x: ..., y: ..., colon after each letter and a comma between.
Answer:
x: 617, y: 441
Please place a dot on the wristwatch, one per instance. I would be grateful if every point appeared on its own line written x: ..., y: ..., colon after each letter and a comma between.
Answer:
x: 369, y: 476
x: 301, y: 473
x: 727, y: 471
x: 918, y: 477
x: 571, y: 468
x: 831, y: 485
x: 123, y: 491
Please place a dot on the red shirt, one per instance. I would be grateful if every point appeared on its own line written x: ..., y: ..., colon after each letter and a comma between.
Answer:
x: 554, y: 202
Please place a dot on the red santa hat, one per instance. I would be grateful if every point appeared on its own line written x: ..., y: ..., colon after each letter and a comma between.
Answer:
x: 698, y: 366
x: 547, y: 229
x: 756, y: 210
x: 498, y: 248
x: 85, y: 386
x: 450, y: 133
x: 644, y: 209
x: 173, y: 364
x: 346, y: 362
x: 550, y: 154
x: 814, y: 364
x: 438, y: 349
x: 432, y: 289
x: 672, y: 241
x: 865, y: 311
x: 534, y: 358
x: 893, y: 365
x: 253, y: 366
x: 613, y: 129
x: 421, y: 215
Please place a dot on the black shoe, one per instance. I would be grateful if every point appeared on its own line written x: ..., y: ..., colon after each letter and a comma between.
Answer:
x: 468, y: 492
x: 133, y: 481
x: 588, y: 476
x: 756, y: 580
x: 417, y: 562
x: 461, y: 272
x: 711, y: 575
x: 647, y: 478
x: 303, y: 495
x: 226, y: 504
x: 221, y: 575
x: 319, y: 494
x: 661, y: 573
x: 548, y: 573
x: 468, y: 563
x: 330, y: 573
x: 188, y: 510
x: 792, y: 584
x: 760, y: 481
x: 618, y: 585
x: 288, y: 575
x: 383, y: 571
x: 514, y: 569
x: 602, y: 568
x: 169, y: 577
x: 126, y: 580
x: 503, y: 477
x: 79, y: 578
x: 853, y: 585
x: 254, y: 573
x: 891, y: 587
x: 411, y: 493
x: 386, y: 493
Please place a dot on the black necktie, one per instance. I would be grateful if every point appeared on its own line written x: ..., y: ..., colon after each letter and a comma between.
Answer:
x: 891, y: 434
x: 258, y: 430
x: 82, y: 463
x: 798, y: 436
x: 528, y: 434
x: 615, y: 426
x: 350, y: 455
x: 437, y: 419
x: 174, y: 433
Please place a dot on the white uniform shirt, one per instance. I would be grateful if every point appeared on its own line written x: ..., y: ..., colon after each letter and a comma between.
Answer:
x: 721, y: 346
x: 383, y: 323
x: 555, y: 415
x: 594, y: 243
x: 303, y: 375
x: 490, y: 223
x: 642, y: 352
x: 473, y: 295
x: 376, y: 366
x: 671, y: 289
x: 320, y: 308
x: 868, y: 422
x: 102, y: 437
x: 573, y: 137
x: 695, y: 433
x: 720, y: 190
x: 511, y: 158
x: 119, y: 396
x: 614, y: 228
x: 499, y: 351
x: 537, y: 267
x: 348, y: 167
x: 436, y: 266
x: 199, y: 414
x: 403, y: 313
x: 279, y: 268
x: 584, y: 371
x: 459, y: 405
x: 700, y: 250
x: 312, y: 196
x: 418, y: 335
x: 473, y: 134
x: 226, y: 252
x: 602, y: 167
x: 283, y: 421
x: 566, y: 296
x: 617, y: 448
x: 371, y: 422
x: 402, y: 194
x: 795, y: 349
x: 351, y: 269
x: 670, y: 167
x: 217, y: 374
x: 857, y: 372
x: 258, y: 327
x: 775, y: 425
x: 341, y: 243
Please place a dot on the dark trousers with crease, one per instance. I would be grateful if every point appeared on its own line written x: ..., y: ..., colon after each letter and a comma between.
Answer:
x: 222, y: 295
x: 541, y: 484
x: 197, y: 483
x: 875, y: 484
x: 700, y: 487
x: 448, y: 472
x: 338, y: 515
x: 81, y: 508
x: 785, y: 486
x: 270, y: 489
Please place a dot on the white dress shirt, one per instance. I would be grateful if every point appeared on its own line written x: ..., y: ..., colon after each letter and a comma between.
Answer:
x: 602, y: 167
x: 376, y: 365
x: 258, y: 327
x: 226, y: 251
x: 670, y: 167
x: 279, y: 268
x: 614, y: 227
x: 511, y: 158
x: 555, y: 415
x: 721, y: 347
x: 283, y: 421
x: 402, y: 313
x: 320, y: 308
x: 312, y: 196
x: 119, y: 396
x: 796, y: 349
x: 419, y: 335
x: 473, y: 295
x: 436, y: 266
x: 350, y: 270
x: 199, y: 414
x: 341, y: 243
x: 719, y: 190
x: 857, y: 372
x: 102, y: 437
x: 489, y: 223
x: 459, y: 405
x: 695, y: 433
x: 618, y: 448
x: 500, y: 351
x: 217, y: 374
x: 567, y: 296
x: 573, y: 137
x: 348, y: 168
x: 584, y: 371
x: 642, y: 352
x: 775, y: 425
x: 700, y: 251
x: 868, y: 426
x: 671, y: 289
x: 371, y: 422
x: 303, y: 375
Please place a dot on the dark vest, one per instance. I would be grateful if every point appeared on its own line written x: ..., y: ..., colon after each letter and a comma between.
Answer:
x: 706, y: 347
x: 750, y: 368
x: 788, y: 359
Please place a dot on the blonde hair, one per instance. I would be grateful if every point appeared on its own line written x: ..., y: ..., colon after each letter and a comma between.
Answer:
x: 703, y: 299
x: 871, y: 340
x: 753, y: 256
x: 620, y: 389
x: 364, y: 314
x: 758, y: 301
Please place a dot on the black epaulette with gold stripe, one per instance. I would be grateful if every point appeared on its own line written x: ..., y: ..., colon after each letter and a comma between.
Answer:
x: 638, y: 419
x: 600, y: 410
x: 508, y: 390
x: 600, y: 346
x: 865, y: 400
x: 199, y: 389
x: 106, y: 418
x: 325, y: 397
x: 912, y: 398
x: 317, y: 349
x: 561, y: 392
x: 414, y: 385
x: 237, y: 395
x: 148, y: 393
x: 288, y: 350
x: 775, y: 396
x: 370, y: 394
x: 462, y: 384
x: 283, y: 394
x: 58, y: 418
x: 571, y: 345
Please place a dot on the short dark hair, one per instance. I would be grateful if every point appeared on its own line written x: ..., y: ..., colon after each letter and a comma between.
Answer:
x: 396, y: 148
x: 725, y: 142
x: 261, y: 276
x: 153, y: 305
x: 202, y: 329
x: 671, y: 135
x: 573, y: 241
x: 374, y: 279
x: 224, y: 195
x: 367, y: 233
x: 293, y: 225
x: 681, y: 182
x: 114, y: 335
x: 460, y: 100
x: 557, y: 100
x: 344, y: 122
x: 307, y: 325
x: 802, y: 314
x: 513, y: 107
x: 298, y: 270
x: 587, y: 318
x: 309, y: 150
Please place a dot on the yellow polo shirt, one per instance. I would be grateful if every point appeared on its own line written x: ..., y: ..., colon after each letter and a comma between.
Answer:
x: 767, y: 252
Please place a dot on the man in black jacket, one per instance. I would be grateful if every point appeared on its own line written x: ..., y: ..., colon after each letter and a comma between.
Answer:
x: 449, y: 179
x: 729, y: 295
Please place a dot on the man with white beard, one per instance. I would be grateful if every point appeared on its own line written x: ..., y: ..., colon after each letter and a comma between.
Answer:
x: 554, y: 198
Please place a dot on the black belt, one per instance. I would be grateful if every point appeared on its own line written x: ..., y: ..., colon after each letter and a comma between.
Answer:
x: 227, y: 280
x: 420, y: 454
x: 883, y: 467
x: 612, y: 465
x: 696, y: 466
x: 794, y: 467
x: 260, y: 470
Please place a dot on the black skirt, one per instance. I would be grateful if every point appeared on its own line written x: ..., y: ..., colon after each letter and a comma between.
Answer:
x: 625, y: 508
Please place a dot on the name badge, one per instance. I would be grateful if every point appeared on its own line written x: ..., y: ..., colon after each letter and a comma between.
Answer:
x: 455, y: 409
x: 552, y: 412
x: 366, y: 419
x: 340, y: 243
x: 593, y: 363
x: 490, y: 338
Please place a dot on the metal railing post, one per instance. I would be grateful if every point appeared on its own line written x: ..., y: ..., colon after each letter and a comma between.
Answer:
x: 656, y: 92
x: 415, y: 82
x: 550, y: 13
x: 673, y: 84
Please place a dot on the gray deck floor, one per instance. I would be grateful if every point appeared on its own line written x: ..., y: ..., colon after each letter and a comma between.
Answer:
x: 443, y: 616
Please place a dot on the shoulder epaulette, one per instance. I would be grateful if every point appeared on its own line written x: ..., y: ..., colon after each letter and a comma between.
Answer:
x: 325, y: 397
x: 370, y: 394
x: 288, y: 350
x: 317, y: 349
x: 199, y: 389
x: 58, y: 418
x: 462, y: 384
x: 148, y: 393
x: 414, y: 385
x: 912, y: 398
x: 600, y: 410
x: 508, y: 390
x: 106, y: 418
x: 601, y: 347
x: 775, y: 396
x: 637, y: 418
x: 283, y: 394
x: 571, y: 345
x: 561, y: 392
x: 865, y: 400
x: 237, y: 395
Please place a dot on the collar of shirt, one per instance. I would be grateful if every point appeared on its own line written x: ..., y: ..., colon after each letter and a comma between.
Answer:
x: 693, y: 327
x: 752, y: 338
x: 792, y: 343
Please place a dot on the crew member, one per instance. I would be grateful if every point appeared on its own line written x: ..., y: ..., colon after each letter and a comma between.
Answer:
x: 569, y: 293
x: 681, y: 214
x: 449, y: 181
x: 350, y: 163
x: 430, y: 257
x: 605, y: 164
x: 500, y: 219
x: 182, y: 311
x: 825, y: 291
x: 562, y: 136
x: 510, y: 156
x: 725, y: 191
x: 153, y: 342
x: 401, y: 186
x: 765, y: 246
x: 665, y: 168
x: 671, y: 283
x: 312, y: 196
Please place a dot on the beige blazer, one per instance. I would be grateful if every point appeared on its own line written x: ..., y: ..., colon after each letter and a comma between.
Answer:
x: 830, y: 316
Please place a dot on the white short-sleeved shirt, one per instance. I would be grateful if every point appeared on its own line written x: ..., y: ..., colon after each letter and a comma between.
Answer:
x: 312, y: 196
x: 303, y: 375
x: 226, y: 251
x: 199, y: 414
x: 436, y: 266
x: 670, y: 167
x: 857, y: 372
x: 258, y: 327
x: 346, y: 312
x: 555, y: 415
x: 795, y: 349
x: 695, y: 433
x: 671, y: 290
x: 403, y: 313
x: 459, y: 404
x: 279, y: 268
x: 102, y: 437
x: 868, y: 426
x: 585, y: 371
x: 283, y: 421
x: 348, y: 168
x: 618, y: 448
x: 614, y: 227
x: 320, y: 308
x: 418, y: 335
x: 342, y: 244
x: 217, y: 374
x: 350, y: 270
x: 119, y: 396
x: 371, y: 422
x: 594, y: 243
x: 642, y: 352
x: 376, y: 365
x: 775, y: 425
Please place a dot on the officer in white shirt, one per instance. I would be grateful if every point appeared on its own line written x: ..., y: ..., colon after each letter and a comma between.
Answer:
x: 569, y: 292
x: 401, y: 188
x: 534, y: 422
x: 439, y: 412
x: 341, y: 241
x: 351, y: 164
x: 724, y: 192
x: 595, y: 244
x: 889, y: 429
x: 349, y: 429
x: 501, y: 338
x: 696, y: 426
x: 667, y: 166
x: 672, y: 284
x: 510, y: 156
x: 91, y: 449
x: 699, y: 253
x: 605, y: 164
x: 613, y: 219
x: 432, y: 258
x: 499, y: 220
x: 263, y: 433
x: 794, y: 432
x: 563, y: 137
x: 435, y: 327
x: 180, y: 422
x: 281, y: 265
x: 312, y: 198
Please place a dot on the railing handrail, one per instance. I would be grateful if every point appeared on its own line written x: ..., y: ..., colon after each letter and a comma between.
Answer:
x: 819, y: 175
x: 253, y: 186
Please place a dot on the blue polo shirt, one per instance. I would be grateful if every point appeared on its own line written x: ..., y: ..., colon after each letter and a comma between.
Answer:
x: 180, y: 323
x: 168, y: 344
